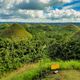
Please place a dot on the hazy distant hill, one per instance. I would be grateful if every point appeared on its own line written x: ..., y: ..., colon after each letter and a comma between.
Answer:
x: 72, y: 27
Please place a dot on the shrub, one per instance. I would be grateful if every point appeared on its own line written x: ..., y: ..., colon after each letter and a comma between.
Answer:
x: 13, y: 54
x: 65, y: 51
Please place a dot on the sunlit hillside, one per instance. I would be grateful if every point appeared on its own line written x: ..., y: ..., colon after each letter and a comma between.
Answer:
x: 16, y: 32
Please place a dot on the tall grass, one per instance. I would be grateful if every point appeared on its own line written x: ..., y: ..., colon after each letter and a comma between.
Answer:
x: 44, y: 66
x: 35, y: 72
x: 72, y: 64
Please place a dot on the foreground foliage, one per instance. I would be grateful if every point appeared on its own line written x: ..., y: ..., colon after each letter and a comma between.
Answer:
x: 48, y: 41
x: 39, y: 70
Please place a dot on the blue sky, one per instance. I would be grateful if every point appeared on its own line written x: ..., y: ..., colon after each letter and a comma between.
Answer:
x: 40, y: 10
x: 74, y: 4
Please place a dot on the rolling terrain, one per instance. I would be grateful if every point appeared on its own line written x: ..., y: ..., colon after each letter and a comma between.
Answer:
x: 27, y: 51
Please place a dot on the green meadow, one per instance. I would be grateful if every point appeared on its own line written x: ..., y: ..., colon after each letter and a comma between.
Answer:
x: 27, y: 51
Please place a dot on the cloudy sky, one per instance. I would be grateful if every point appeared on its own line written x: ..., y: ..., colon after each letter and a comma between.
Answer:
x: 39, y: 10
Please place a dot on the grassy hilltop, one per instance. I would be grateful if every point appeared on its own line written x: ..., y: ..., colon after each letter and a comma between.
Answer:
x: 16, y: 32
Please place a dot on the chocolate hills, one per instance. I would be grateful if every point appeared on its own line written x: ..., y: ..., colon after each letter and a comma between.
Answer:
x: 16, y: 32
x: 72, y: 27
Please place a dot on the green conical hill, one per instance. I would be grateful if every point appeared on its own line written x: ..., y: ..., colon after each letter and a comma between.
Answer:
x: 16, y: 32
x: 72, y: 27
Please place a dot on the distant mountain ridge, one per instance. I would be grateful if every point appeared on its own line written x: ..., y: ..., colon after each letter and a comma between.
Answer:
x: 58, y: 24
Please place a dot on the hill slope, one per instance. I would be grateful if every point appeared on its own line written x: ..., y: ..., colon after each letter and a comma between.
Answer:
x: 72, y: 27
x: 16, y: 32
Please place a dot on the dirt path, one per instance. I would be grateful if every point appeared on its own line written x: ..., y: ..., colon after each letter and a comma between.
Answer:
x: 26, y: 67
x: 64, y: 75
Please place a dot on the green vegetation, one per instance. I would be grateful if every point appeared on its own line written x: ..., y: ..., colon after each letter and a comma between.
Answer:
x: 22, y: 44
x: 41, y: 69
x: 64, y: 75
x: 72, y: 27
x: 16, y: 33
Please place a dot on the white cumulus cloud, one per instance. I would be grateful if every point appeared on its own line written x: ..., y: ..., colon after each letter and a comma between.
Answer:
x: 37, y: 9
x: 65, y: 1
x: 64, y: 14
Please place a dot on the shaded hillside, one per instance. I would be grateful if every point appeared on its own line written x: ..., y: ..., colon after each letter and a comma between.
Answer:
x: 76, y: 35
x: 4, y: 26
x: 72, y: 27
x: 16, y: 32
